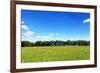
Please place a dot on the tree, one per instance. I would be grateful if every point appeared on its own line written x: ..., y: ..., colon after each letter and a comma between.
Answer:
x: 56, y: 43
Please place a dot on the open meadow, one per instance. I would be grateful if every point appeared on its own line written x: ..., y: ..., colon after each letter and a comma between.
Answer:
x: 55, y: 53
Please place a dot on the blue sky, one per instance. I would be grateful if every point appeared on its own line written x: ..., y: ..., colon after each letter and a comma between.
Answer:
x: 52, y: 25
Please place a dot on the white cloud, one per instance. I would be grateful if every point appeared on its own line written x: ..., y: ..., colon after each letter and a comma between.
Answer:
x: 86, y: 21
x: 43, y: 37
x: 57, y: 34
x: 22, y: 22
x: 51, y: 34
x: 25, y: 27
x: 64, y: 36
x: 46, y: 37
x: 31, y: 36
x: 28, y: 35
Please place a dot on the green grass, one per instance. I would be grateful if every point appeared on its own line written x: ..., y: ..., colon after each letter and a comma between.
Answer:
x: 55, y: 53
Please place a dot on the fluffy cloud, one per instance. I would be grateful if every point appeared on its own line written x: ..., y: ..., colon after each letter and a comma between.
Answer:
x: 51, y: 34
x: 43, y: 37
x: 57, y: 34
x: 22, y: 22
x: 86, y: 21
x: 54, y: 34
x: 25, y: 27
x: 33, y: 36
x: 28, y: 35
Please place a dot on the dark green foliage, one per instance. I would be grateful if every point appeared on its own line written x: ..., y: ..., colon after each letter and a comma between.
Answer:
x: 56, y: 43
x: 27, y: 43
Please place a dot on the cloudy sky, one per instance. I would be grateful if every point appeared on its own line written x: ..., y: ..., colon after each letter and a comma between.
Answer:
x: 51, y: 25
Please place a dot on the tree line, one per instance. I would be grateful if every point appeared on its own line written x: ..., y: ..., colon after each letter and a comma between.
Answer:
x: 55, y: 43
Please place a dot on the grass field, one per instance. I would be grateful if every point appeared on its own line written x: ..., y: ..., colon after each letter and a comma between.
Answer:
x: 55, y: 53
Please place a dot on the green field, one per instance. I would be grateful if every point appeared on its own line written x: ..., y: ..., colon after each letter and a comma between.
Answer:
x: 55, y: 53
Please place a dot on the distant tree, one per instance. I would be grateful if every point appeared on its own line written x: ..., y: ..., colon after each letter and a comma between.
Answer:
x: 56, y: 43
x: 25, y: 43
x: 31, y: 44
x: 38, y: 43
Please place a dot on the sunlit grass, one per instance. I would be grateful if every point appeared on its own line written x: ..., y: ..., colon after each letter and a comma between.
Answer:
x: 55, y: 53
